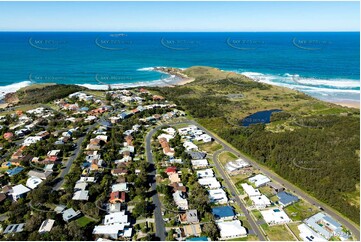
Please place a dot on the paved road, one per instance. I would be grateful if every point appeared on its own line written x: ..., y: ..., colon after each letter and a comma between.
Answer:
x: 354, y: 229
x: 71, y: 159
x: 159, y: 222
x: 250, y: 219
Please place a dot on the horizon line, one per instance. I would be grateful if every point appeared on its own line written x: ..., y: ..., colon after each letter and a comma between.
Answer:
x: 199, y: 31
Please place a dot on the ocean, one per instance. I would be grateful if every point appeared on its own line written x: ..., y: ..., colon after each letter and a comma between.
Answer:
x: 325, y: 65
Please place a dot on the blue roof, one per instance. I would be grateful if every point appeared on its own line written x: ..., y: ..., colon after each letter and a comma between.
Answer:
x: 203, y: 238
x: 15, y: 171
x: 286, y: 198
x: 222, y: 212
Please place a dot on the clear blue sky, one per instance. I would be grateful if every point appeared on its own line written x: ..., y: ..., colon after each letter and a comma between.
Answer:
x: 179, y: 16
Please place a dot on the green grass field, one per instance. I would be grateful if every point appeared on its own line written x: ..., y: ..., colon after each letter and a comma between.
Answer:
x: 83, y: 221
x: 210, y: 147
x: 300, y: 210
x: 278, y: 233
x: 225, y: 157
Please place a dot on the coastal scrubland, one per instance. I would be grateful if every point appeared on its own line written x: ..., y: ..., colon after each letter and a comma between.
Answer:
x: 313, y: 144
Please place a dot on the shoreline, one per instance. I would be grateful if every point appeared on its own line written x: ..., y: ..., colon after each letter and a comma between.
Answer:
x: 174, y: 77
x: 349, y: 104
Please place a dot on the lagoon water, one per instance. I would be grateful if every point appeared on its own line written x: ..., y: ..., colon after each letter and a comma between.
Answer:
x: 259, y: 117
x: 324, y: 65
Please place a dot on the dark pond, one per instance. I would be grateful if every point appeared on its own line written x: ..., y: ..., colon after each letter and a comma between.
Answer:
x: 259, y: 117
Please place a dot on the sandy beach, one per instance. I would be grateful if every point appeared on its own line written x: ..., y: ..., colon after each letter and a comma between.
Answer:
x: 348, y: 104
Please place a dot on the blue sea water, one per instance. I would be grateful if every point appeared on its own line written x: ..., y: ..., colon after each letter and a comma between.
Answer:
x: 325, y: 65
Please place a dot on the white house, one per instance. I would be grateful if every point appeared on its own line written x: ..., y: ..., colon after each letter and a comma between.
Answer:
x: 19, y: 191
x: 115, y: 225
x: 205, y: 173
x: 33, y: 182
x: 260, y: 202
x: 259, y: 180
x: 46, y: 225
x: 307, y: 234
x: 179, y: 199
x: 81, y: 195
x: 250, y: 190
x: 120, y: 187
x: 202, y: 163
x: 190, y: 146
x: 275, y: 216
x: 210, y: 182
x: 236, y: 165
x: 218, y: 196
x: 231, y: 229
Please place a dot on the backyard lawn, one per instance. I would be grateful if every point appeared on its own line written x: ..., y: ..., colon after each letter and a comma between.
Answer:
x: 83, y: 221
x: 278, y: 233
x: 300, y: 210
x: 225, y: 157
x: 210, y: 147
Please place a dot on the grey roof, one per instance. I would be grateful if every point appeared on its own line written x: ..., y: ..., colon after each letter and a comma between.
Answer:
x: 70, y: 214
x: 60, y: 208
x: 197, y: 155
x: 14, y: 228
x: 319, y: 221
x: 286, y: 198
x: 192, y: 216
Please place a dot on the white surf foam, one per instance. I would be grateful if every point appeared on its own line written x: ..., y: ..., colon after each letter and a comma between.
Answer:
x: 12, y: 88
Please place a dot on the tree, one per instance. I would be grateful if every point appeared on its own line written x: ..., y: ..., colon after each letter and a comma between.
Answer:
x: 142, y: 209
x: 210, y: 230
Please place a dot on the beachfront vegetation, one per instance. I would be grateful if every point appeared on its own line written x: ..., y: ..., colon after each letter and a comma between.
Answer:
x: 311, y: 143
x: 45, y: 93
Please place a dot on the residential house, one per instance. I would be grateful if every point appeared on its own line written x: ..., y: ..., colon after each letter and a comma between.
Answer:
x: 174, y: 177
x: 218, y: 196
x: 326, y: 226
x: 119, y: 172
x: 14, y: 228
x: 276, y: 188
x: 231, y: 229
x: 198, y: 164
x: 308, y: 234
x: 250, y: 190
x: 275, y: 216
x: 70, y: 214
x: 46, y: 226
x: 189, y: 217
x: 19, y: 191
x: 223, y: 213
x: 260, y: 202
x: 33, y: 182
x: 81, y: 195
x: 210, y: 182
x: 259, y: 180
x: 285, y: 198
x: 192, y: 230
x: 205, y: 173
x: 120, y: 187
x: 117, y: 197
x: 180, y: 200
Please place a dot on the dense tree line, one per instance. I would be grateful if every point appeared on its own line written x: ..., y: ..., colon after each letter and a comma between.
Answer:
x: 46, y: 94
